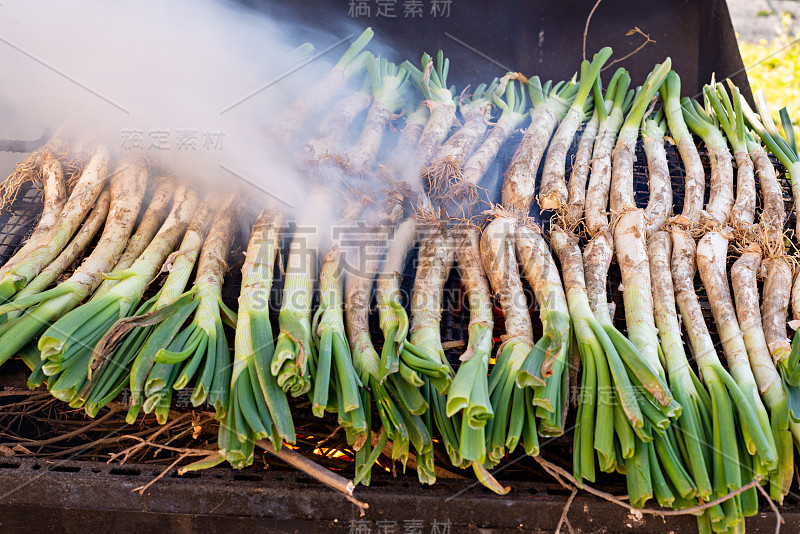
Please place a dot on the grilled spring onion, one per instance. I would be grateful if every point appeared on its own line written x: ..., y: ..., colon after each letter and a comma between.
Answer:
x: 294, y: 346
x: 398, y: 400
x: 80, y: 202
x: 389, y: 85
x: 695, y: 175
x: 320, y: 93
x: 720, y: 200
x: 619, y: 99
x: 659, y: 204
x: 551, y: 363
x: 336, y: 384
x: 630, y: 239
x: 257, y: 408
x: 125, y: 355
x: 202, y: 344
x: 729, y: 113
x: 684, y: 384
x: 54, y: 197
x: 553, y: 192
x: 393, y: 317
x: 79, y: 242
x: 127, y: 190
x: 514, y: 414
x: 157, y: 210
x: 469, y: 391
x: 641, y: 400
x: 745, y: 290
x: 432, y: 81
x: 583, y: 163
x: 550, y: 105
x: 66, y: 344
x: 736, y: 429
x: 711, y: 256
x: 435, y: 260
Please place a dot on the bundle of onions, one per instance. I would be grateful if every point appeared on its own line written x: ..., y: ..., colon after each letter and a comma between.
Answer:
x: 66, y: 344
x: 550, y: 104
x: 80, y: 202
x: 126, y: 353
x: 553, y: 191
x: 642, y: 404
x: 321, y: 93
x: 738, y: 428
x: 127, y: 191
x: 514, y: 413
x: 202, y: 343
x: 257, y: 408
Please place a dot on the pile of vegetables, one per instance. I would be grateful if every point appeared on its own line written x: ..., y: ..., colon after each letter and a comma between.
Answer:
x: 685, y: 420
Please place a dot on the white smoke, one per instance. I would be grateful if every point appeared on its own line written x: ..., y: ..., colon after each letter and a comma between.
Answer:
x: 186, y: 82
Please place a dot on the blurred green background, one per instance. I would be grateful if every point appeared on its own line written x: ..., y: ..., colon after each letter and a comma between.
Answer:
x: 768, y: 32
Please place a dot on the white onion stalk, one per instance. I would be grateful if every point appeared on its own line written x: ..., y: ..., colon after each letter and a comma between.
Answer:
x: 731, y: 118
x: 659, y: 205
x: 127, y: 191
x: 257, y: 408
x: 582, y: 165
x: 514, y: 413
x: 432, y: 81
x: 54, y: 197
x: 332, y: 129
x: 126, y: 354
x: 80, y: 202
x: 695, y: 175
x: 76, y: 348
x: 745, y: 290
x: 550, y: 105
x: 542, y: 275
